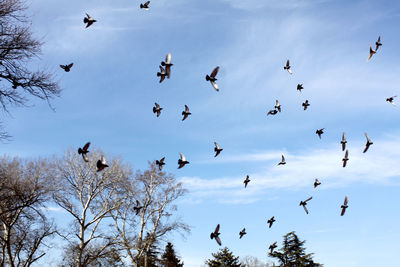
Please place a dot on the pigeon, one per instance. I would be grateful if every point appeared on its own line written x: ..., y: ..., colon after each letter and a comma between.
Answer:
x: 272, y: 112
x: 320, y: 132
x: 316, y: 183
x: 167, y: 64
x: 305, y: 105
x: 182, y: 161
x: 391, y: 99
x: 271, y: 221
x: 101, y: 164
x: 346, y: 158
x: 283, y: 162
x: 84, y: 151
x: 161, y: 74
x: 212, y: 78
x: 343, y: 142
x: 157, y: 109
x: 216, y: 234
x: 217, y: 149
x: 242, y: 233
x: 300, y: 87
x: 137, y: 208
x: 67, y: 68
x: 371, y: 53
x: 287, y: 67
x: 278, y: 106
x: 88, y: 20
x: 344, y: 206
x: 378, y: 44
x: 145, y: 6
x: 186, y: 113
x: 304, y: 204
x: 160, y: 163
x: 369, y: 142
x: 272, y: 247
x: 246, y: 181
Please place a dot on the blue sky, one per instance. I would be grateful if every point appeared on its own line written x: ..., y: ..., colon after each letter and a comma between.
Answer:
x: 109, y: 94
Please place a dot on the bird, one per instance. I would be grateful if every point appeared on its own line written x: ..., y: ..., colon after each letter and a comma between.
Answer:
x: 305, y: 105
x: 242, y: 233
x: 182, y: 161
x: 101, y: 164
x: 320, y: 132
x: 160, y: 163
x: 137, y: 208
x: 157, y: 109
x: 145, y: 6
x: 217, y: 149
x: 272, y: 247
x: 186, y: 113
x: 316, y: 183
x: 67, y: 68
x: 344, y: 206
x: 246, y: 181
x: 371, y: 53
x: 283, y: 162
x: 304, y: 204
x: 287, y: 67
x: 271, y: 221
x: 88, y: 20
x: 84, y: 151
x: 300, y: 87
x: 346, y: 158
x: 211, y: 78
x: 272, y: 112
x: 391, y: 99
x: 161, y: 74
x: 378, y: 44
x: 344, y: 141
x: 167, y: 64
x: 278, y: 106
x: 216, y: 234
x: 369, y: 142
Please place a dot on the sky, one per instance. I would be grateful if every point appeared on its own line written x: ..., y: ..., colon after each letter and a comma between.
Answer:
x: 109, y: 93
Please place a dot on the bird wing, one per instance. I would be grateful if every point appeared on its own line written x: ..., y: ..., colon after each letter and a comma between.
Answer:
x: 308, y: 199
x: 217, y: 146
x: 70, y: 65
x: 346, y: 199
x: 305, y: 208
x: 343, y: 211
x: 277, y: 103
x: 157, y: 105
x: 216, y: 231
x: 162, y: 160
x: 290, y: 71
x: 283, y: 158
x: 215, y: 85
x: 379, y: 39
x: 137, y: 203
x: 88, y: 16
x: 218, y: 240
x: 162, y: 70
x: 183, y: 158
x: 147, y: 3
x: 168, y: 57
x: 346, y: 154
x: 86, y: 146
x: 103, y: 160
x: 344, y: 137
x: 366, y: 135
x: 287, y: 63
x: 186, y: 109
x: 85, y: 157
x: 214, y: 72
x: 63, y: 67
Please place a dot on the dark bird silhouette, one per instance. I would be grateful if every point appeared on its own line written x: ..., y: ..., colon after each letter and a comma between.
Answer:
x: 138, y: 207
x: 346, y: 158
x: 320, y: 132
x: 182, y: 161
x: 283, y: 162
x: 272, y: 112
x: 84, y: 151
x: 88, y: 20
x: 167, y: 63
x: 316, y: 183
x: 145, y: 6
x: 344, y: 141
x: 67, y: 68
x: 216, y: 234
x: 391, y: 99
x: 304, y: 204
x: 272, y: 247
x: 287, y: 67
x: 160, y: 163
x: 217, y: 149
x: 186, y: 113
x: 271, y: 221
x: 371, y: 53
x: 211, y: 78
x: 369, y: 142
x: 242, y: 233
x: 278, y: 106
x: 246, y: 181
x: 305, y: 105
x: 101, y: 164
x: 157, y: 109
x: 162, y: 74
x: 344, y: 206
x: 378, y: 44
x: 300, y: 87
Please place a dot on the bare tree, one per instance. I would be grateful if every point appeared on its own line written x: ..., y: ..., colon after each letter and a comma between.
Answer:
x: 251, y: 261
x: 156, y: 192
x: 17, y: 48
x: 25, y: 188
x: 89, y: 196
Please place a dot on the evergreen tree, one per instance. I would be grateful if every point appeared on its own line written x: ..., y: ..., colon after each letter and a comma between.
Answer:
x: 293, y: 254
x: 224, y: 258
x: 169, y: 258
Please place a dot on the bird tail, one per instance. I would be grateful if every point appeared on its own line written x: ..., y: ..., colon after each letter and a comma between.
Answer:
x: 141, y: 5
x: 207, y: 77
x: 158, y: 74
x: 154, y: 111
x: 85, y: 20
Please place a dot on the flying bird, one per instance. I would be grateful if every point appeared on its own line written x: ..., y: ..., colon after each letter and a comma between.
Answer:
x: 272, y: 112
x: 391, y: 99
x: 320, y: 132
x: 378, y: 44
x: 67, y: 68
x: 271, y: 221
x: 186, y: 113
x: 278, y: 106
x: 246, y: 181
x: 305, y: 105
x: 242, y: 233
x: 300, y: 87
x: 212, y: 78
x: 161, y: 74
x: 182, y: 161
x: 157, y: 109
x: 316, y: 183
x: 371, y: 53
x: 344, y: 206
x: 138, y: 207
x: 287, y: 67
x: 216, y: 234
x: 167, y: 63
x: 346, y: 158
x: 84, y: 151
x: 145, y: 6
x: 344, y: 141
x: 88, y: 20
x: 101, y: 164
x: 369, y: 142
x: 304, y: 204
x: 217, y: 149
x: 160, y: 163
x: 272, y: 247
x: 283, y: 162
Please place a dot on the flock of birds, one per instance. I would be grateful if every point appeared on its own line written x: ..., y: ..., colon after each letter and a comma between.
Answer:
x: 165, y: 72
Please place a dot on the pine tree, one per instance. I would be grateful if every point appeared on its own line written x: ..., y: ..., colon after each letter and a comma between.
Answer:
x: 169, y: 258
x: 224, y: 258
